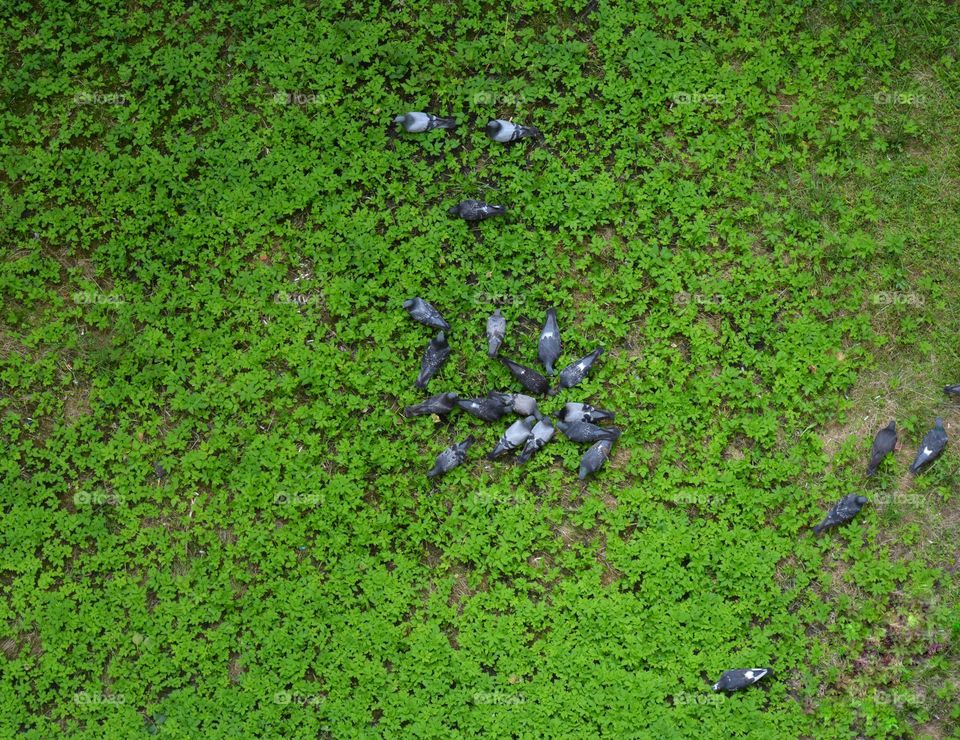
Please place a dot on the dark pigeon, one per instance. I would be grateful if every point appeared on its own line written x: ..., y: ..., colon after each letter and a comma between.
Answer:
x: 512, y: 439
x: 486, y: 409
x: 437, y: 353
x: 931, y: 447
x: 577, y: 371
x: 519, y: 403
x: 505, y: 131
x: 844, y: 510
x: 572, y: 412
x: 423, y: 312
x: 496, y: 331
x: 439, y: 405
x: 541, y: 433
x: 159, y: 471
x: 594, y: 458
x: 475, y: 210
x: 548, y: 350
x: 529, y: 379
x: 952, y: 390
x: 739, y: 678
x: 416, y: 122
x: 883, y: 444
x: 451, y: 457
x: 584, y: 431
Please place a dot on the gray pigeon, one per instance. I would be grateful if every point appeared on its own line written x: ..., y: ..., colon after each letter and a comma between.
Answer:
x: 439, y: 405
x: 739, y: 678
x: 437, y: 353
x: 931, y: 447
x: 529, y: 379
x: 496, y: 331
x: 577, y: 371
x: 519, y: 404
x: 505, y: 131
x: 952, y: 390
x: 548, y: 349
x: 423, y: 312
x: 415, y: 122
x: 475, y: 210
x: 572, y: 412
x: 842, y: 512
x: 516, y: 434
x: 540, y: 434
x: 486, y: 409
x: 451, y: 457
x: 584, y: 431
x: 594, y: 458
x: 883, y: 444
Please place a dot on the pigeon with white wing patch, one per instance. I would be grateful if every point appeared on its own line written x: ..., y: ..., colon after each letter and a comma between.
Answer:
x: 933, y: 444
x: 739, y: 678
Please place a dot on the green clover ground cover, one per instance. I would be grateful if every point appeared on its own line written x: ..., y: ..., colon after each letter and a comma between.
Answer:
x: 218, y: 524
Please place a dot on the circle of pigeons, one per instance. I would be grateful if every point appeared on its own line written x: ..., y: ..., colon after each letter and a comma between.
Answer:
x: 534, y: 430
x: 575, y: 420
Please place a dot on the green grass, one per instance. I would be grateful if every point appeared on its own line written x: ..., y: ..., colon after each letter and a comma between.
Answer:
x: 754, y: 210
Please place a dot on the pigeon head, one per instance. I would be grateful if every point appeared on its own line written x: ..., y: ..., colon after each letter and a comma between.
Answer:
x: 892, y: 426
x: 399, y: 119
x: 938, y: 422
x: 454, y: 210
x: 861, y: 500
x: 492, y: 128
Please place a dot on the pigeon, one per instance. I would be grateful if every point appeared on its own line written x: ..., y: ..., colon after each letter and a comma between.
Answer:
x: 584, y: 431
x: 845, y: 510
x: 883, y: 444
x: 594, y: 458
x: 548, y: 351
x: 931, y: 447
x: 520, y: 404
x: 496, y: 330
x: 423, y: 312
x: 159, y: 471
x: 439, y: 405
x: 541, y: 433
x: 739, y: 678
x: 516, y: 434
x: 505, y: 131
x: 529, y: 379
x: 415, y: 122
x: 475, y: 210
x: 437, y: 353
x: 487, y: 409
x: 572, y: 412
x: 451, y: 457
x: 577, y: 371
x: 952, y: 390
